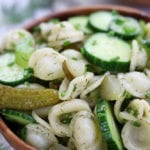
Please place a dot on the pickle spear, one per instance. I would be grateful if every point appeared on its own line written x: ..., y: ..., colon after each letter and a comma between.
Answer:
x: 27, y: 99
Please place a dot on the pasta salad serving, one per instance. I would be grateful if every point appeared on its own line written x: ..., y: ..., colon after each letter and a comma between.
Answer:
x: 82, y: 83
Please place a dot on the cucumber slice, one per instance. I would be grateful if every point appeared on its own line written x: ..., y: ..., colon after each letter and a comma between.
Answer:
x: 81, y: 23
x: 16, y: 116
x: 7, y: 59
x: 101, y: 20
x: 11, y: 73
x: 23, y: 52
x: 23, y: 133
x: 15, y: 75
x: 108, y: 127
x: 126, y: 27
x: 108, y: 52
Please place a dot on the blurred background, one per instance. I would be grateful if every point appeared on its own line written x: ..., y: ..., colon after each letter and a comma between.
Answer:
x: 16, y: 13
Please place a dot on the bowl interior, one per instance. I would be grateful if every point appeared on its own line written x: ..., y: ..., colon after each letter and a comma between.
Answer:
x: 15, y: 141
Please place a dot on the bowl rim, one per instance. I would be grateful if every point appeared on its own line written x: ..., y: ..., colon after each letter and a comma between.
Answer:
x: 129, y: 11
x: 125, y: 10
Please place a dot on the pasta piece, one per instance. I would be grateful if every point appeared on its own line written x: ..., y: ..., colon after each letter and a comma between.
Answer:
x: 135, y: 135
x: 15, y: 37
x: 71, y: 144
x: 74, y: 105
x: 47, y: 64
x: 147, y: 71
x: 138, y: 57
x: 85, y: 131
x: 111, y: 85
x: 73, y: 54
x: 62, y: 32
x: 137, y: 110
x: 117, y: 108
x: 46, y: 29
x: 75, y: 63
x: 69, y: 90
x: 41, y: 121
x: 58, y: 147
x: 43, y: 112
x: 40, y: 137
x: 93, y: 84
x: 136, y: 83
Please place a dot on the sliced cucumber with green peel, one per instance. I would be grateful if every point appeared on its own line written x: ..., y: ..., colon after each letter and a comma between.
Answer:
x: 108, y: 126
x: 17, y: 116
x: 7, y: 59
x: 126, y: 27
x: 11, y: 73
x: 23, y: 133
x: 101, y: 20
x: 108, y: 52
x: 14, y: 75
x: 81, y: 23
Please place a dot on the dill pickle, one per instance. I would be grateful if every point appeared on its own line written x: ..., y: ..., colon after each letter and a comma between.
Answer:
x: 27, y: 99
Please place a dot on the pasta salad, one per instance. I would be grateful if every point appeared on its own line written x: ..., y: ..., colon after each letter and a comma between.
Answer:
x: 80, y: 83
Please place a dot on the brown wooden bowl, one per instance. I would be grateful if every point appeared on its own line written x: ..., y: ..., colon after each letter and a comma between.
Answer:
x: 15, y: 141
x: 145, y: 3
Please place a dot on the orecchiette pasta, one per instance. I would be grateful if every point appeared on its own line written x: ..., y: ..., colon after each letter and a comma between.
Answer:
x: 117, y: 108
x: 135, y: 135
x: 138, y: 57
x: 147, y: 71
x: 47, y: 64
x: 46, y: 29
x: 137, y: 110
x: 43, y: 112
x: 84, y: 122
x: 80, y: 71
x: 41, y: 121
x: 111, y: 85
x: 74, y: 105
x: 69, y: 90
x: 15, y: 37
x: 40, y: 137
x: 62, y: 32
x: 73, y: 54
x: 93, y: 84
x: 58, y: 147
x: 71, y: 144
x: 136, y: 83
x: 75, y: 64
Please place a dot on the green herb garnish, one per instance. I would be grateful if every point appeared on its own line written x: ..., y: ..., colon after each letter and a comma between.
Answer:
x: 63, y: 93
x: 74, y: 88
x: 132, y: 111
x: 11, y: 64
x: 55, y: 21
x: 77, y: 26
x: 67, y: 43
x: 136, y: 124
x: 94, y: 42
x: 147, y: 95
x: 74, y: 58
x: 62, y: 25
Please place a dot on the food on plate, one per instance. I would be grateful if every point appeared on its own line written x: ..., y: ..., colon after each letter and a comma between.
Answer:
x: 79, y: 83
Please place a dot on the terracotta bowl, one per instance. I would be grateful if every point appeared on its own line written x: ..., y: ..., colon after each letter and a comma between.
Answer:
x: 15, y: 141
